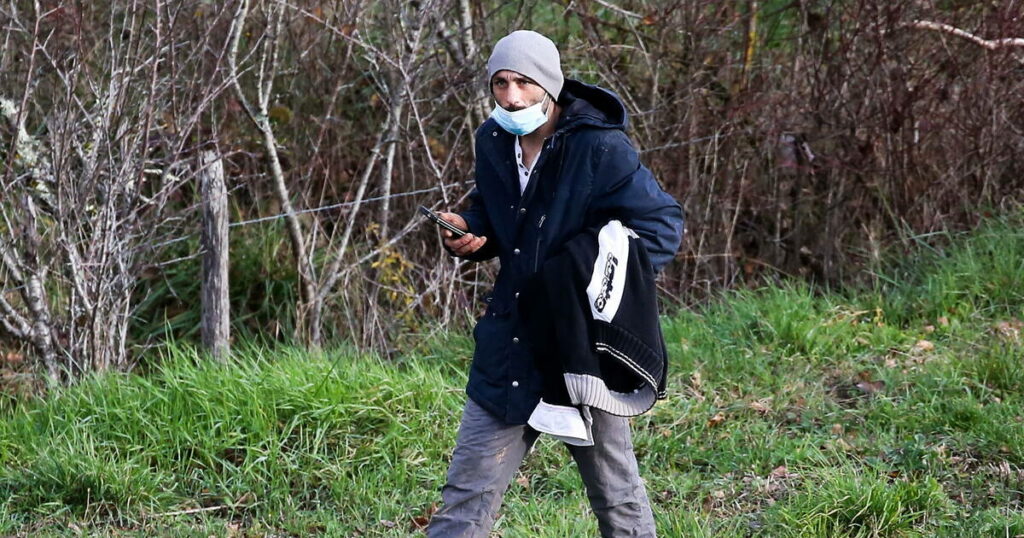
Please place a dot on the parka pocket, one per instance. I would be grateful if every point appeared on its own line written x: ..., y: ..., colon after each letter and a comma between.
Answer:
x: 491, y: 336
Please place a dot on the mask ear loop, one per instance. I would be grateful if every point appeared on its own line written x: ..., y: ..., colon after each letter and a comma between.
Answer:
x: 546, y: 103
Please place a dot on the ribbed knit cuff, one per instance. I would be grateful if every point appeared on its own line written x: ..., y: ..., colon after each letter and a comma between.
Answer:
x: 634, y: 353
x: 592, y: 391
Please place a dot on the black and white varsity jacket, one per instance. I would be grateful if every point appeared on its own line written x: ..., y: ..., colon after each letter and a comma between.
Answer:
x: 592, y: 320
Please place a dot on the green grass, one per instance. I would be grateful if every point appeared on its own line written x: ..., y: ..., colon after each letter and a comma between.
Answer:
x: 262, y: 290
x: 848, y: 503
x: 281, y: 433
x: 892, y: 411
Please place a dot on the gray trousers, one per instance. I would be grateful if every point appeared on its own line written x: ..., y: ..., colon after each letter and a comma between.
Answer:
x: 488, y: 452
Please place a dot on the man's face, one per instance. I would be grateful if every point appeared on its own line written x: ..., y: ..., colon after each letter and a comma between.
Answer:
x: 514, y: 91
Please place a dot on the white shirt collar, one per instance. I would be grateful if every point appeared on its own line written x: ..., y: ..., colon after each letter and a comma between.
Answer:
x: 524, y: 171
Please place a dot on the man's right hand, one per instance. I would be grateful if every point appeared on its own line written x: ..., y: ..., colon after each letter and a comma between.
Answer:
x: 461, y: 246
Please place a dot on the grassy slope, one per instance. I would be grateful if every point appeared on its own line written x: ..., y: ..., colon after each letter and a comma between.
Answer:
x: 891, y: 412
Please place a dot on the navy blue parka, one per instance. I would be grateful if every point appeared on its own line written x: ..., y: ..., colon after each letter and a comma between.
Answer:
x: 587, y: 173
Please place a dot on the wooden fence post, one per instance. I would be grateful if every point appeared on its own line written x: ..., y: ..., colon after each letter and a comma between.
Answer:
x: 214, y: 242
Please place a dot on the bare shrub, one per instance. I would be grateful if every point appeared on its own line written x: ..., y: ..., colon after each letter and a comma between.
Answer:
x: 803, y: 138
x: 103, y: 108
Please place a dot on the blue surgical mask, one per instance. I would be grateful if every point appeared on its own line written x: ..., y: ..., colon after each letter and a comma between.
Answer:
x: 521, y: 122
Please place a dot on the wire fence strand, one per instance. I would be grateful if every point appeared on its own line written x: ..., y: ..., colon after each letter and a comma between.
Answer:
x: 312, y: 210
x: 365, y: 201
x: 282, y: 215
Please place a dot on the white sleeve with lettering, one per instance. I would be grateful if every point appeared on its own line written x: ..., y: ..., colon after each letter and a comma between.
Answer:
x: 607, y: 281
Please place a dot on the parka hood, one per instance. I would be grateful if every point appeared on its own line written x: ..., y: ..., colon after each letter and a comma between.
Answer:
x: 586, y: 104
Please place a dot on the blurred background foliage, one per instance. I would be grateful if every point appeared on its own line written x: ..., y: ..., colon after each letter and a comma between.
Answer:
x: 805, y: 139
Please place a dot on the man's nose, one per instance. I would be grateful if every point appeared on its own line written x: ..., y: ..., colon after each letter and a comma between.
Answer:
x: 516, y: 98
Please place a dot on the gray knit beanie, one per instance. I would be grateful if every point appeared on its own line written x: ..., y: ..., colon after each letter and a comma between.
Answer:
x: 531, y: 54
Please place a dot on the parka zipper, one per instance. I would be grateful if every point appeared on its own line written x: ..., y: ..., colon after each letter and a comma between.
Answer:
x: 540, y: 239
x: 540, y: 223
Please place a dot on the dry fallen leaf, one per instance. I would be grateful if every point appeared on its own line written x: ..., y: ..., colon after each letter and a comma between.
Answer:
x: 695, y: 387
x: 761, y: 406
x: 923, y: 346
x: 716, y: 420
x: 943, y: 320
x: 421, y: 521
x: 837, y: 429
x: 871, y: 387
x: 841, y: 444
x: 1009, y: 329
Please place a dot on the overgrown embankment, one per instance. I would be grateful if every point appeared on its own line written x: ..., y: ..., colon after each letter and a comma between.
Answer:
x: 893, y: 411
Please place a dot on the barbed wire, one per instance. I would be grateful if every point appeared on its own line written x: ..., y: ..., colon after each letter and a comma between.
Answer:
x: 282, y: 215
x: 369, y: 200
x: 313, y: 210
x: 684, y: 143
x: 8, y: 290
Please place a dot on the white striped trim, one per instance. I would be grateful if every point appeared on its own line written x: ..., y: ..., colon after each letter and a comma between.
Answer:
x: 601, y: 346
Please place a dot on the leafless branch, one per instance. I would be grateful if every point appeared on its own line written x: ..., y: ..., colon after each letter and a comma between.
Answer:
x: 619, y: 10
x: 261, y: 119
x: 990, y: 44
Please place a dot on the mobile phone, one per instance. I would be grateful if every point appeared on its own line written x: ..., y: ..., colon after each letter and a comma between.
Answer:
x: 456, y: 232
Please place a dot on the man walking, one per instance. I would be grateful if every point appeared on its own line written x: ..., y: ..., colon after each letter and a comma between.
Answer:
x: 552, y: 161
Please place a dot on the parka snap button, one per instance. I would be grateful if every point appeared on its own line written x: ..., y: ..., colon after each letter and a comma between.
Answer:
x: 522, y: 210
x: 494, y: 133
x: 515, y: 383
x: 516, y: 252
x: 515, y: 339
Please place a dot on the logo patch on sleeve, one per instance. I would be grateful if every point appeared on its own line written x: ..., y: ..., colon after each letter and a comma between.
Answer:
x: 607, y: 282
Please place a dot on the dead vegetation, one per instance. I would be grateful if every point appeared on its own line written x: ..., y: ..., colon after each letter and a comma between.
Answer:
x: 804, y: 138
